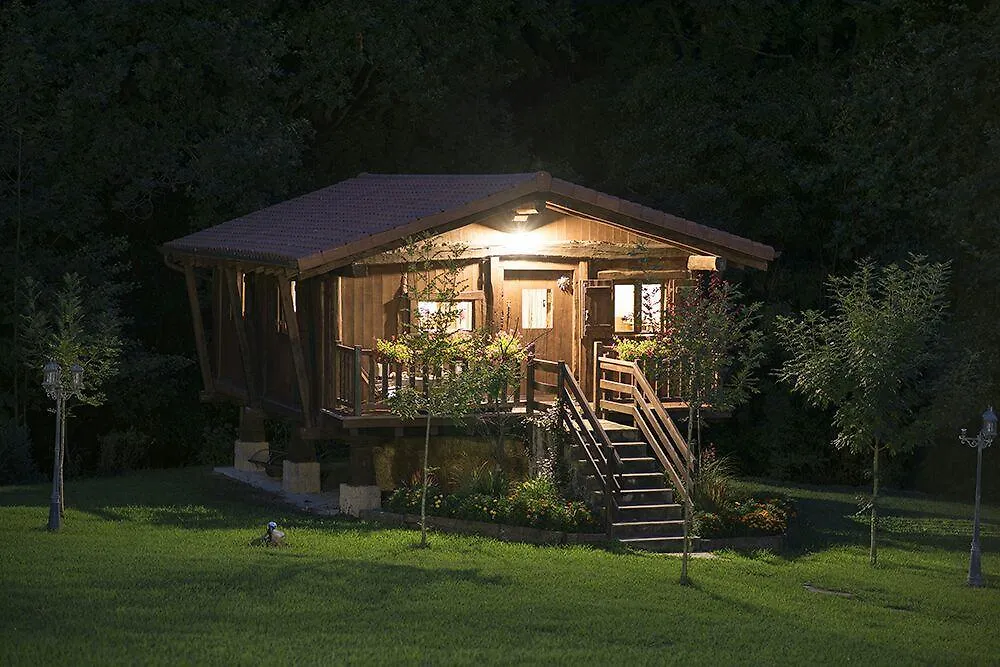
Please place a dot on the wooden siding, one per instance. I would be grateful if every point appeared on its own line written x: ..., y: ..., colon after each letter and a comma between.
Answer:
x: 349, y: 311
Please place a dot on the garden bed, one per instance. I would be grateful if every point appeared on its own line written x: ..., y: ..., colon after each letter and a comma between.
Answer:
x: 498, y: 531
x: 507, y: 533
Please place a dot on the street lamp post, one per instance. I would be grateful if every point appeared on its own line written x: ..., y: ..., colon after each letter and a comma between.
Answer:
x: 982, y: 440
x: 60, y: 392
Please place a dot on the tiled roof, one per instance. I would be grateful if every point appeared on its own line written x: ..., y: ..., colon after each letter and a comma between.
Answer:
x: 371, y: 210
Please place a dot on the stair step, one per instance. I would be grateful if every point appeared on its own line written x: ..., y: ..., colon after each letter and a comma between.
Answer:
x: 661, y: 544
x: 651, y: 506
x: 637, y: 459
x: 673, y: 523
x: 629, y: 492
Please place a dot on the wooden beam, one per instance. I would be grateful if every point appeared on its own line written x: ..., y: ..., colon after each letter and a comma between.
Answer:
x: 494, y: 293
x: 706, y: 263
x: 295, y: 340
x: 615, y: 274
x: 239, y: 323
x: 199, y: 328
x: 558, y: 251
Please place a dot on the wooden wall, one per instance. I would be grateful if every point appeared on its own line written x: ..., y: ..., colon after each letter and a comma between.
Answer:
x: 353, y: 311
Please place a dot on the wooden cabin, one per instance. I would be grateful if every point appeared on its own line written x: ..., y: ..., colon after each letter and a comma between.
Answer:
x: 287, y: 302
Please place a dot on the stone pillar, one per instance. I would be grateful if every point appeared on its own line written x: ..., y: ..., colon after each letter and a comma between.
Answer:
x: 252, y: 441
x: 354, y: 499
x: 361, y: 493
x: 300, y: 472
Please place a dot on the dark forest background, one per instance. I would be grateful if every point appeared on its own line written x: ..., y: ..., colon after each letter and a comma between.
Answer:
x: 830, y: 129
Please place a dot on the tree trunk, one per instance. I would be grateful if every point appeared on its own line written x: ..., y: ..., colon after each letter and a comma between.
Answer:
x: 873, y: 551
x: 688, y: 509
x: 423, y: 493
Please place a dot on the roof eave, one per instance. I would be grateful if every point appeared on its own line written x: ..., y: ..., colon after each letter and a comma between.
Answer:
x: 326, y: 260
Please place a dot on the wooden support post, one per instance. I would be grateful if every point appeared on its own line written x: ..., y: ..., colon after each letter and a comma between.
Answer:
x: 239, y: 323
x: 357, y: 380
x: 298, y: 358
x: 323, y: 382
x: 494, y: 294
x: 338, y: 309
x: 199, y: 329
x: 597, y: 378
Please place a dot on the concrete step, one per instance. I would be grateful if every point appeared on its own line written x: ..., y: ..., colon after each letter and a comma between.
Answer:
x: 657, y: 544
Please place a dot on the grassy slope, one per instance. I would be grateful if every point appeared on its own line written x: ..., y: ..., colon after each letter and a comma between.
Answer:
x: 156, y: 567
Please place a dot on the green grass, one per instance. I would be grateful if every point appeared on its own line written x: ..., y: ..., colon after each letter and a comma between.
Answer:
x: 156, y: 568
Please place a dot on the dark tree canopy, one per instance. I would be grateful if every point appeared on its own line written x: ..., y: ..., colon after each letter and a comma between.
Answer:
x: 831, y: 130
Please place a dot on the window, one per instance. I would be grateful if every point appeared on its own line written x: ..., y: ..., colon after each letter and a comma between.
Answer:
x: 646, y: 299
x: 624, y: 308
x: 536, y: 308
x: 461, y: 312
x: 652, y: 307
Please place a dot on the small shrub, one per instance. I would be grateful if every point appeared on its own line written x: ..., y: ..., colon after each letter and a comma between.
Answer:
x: 483, y: 507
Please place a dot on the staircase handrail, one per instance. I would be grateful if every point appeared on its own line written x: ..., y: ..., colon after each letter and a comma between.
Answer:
x: 571, y: 395
x: 662, y: 434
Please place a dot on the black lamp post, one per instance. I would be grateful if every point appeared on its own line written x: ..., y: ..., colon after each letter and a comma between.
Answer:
x: 59, y: 391
x: 983, y: 440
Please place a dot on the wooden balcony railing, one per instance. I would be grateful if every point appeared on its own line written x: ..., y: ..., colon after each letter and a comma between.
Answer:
x: 361, y: 381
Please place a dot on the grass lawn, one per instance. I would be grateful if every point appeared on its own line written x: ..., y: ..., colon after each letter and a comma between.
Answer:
x: 155, y: 568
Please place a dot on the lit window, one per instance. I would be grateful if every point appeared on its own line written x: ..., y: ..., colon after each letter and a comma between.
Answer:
x: 652, y: 306
x: 536, y: 308
x: 624, y: 307
x: 461, y: 312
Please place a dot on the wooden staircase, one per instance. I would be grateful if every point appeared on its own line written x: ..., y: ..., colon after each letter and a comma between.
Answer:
x: 627, y: 464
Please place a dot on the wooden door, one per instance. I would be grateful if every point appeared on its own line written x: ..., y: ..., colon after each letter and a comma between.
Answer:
x: 542, y: 311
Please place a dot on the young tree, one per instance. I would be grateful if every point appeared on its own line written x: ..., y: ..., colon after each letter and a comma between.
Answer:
x: 70, y: 334
x: 709, y: 348
x: 868, y: 358
x: 444, y: 356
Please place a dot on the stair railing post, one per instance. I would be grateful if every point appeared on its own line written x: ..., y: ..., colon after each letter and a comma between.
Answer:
x: 597, y: 378
x: 357, y: 380
x: 529, y: 383
x: 560, y: 390
x: 609, y: 491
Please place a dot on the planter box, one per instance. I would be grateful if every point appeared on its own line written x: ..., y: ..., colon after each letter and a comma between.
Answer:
x: 769, y: 542
x: 496, y: 531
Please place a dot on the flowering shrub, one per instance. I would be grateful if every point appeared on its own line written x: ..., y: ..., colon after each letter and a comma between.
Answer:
x: 747, y: 517
x: 481, y: 507
x: 535, y: 503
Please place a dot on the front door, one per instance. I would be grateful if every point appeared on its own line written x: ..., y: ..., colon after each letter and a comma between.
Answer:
x: 542, y: 311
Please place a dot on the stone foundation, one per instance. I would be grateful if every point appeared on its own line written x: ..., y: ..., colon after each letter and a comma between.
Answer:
x: 244, y: 451
x: 300, y: 477
x: 356, y: 499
